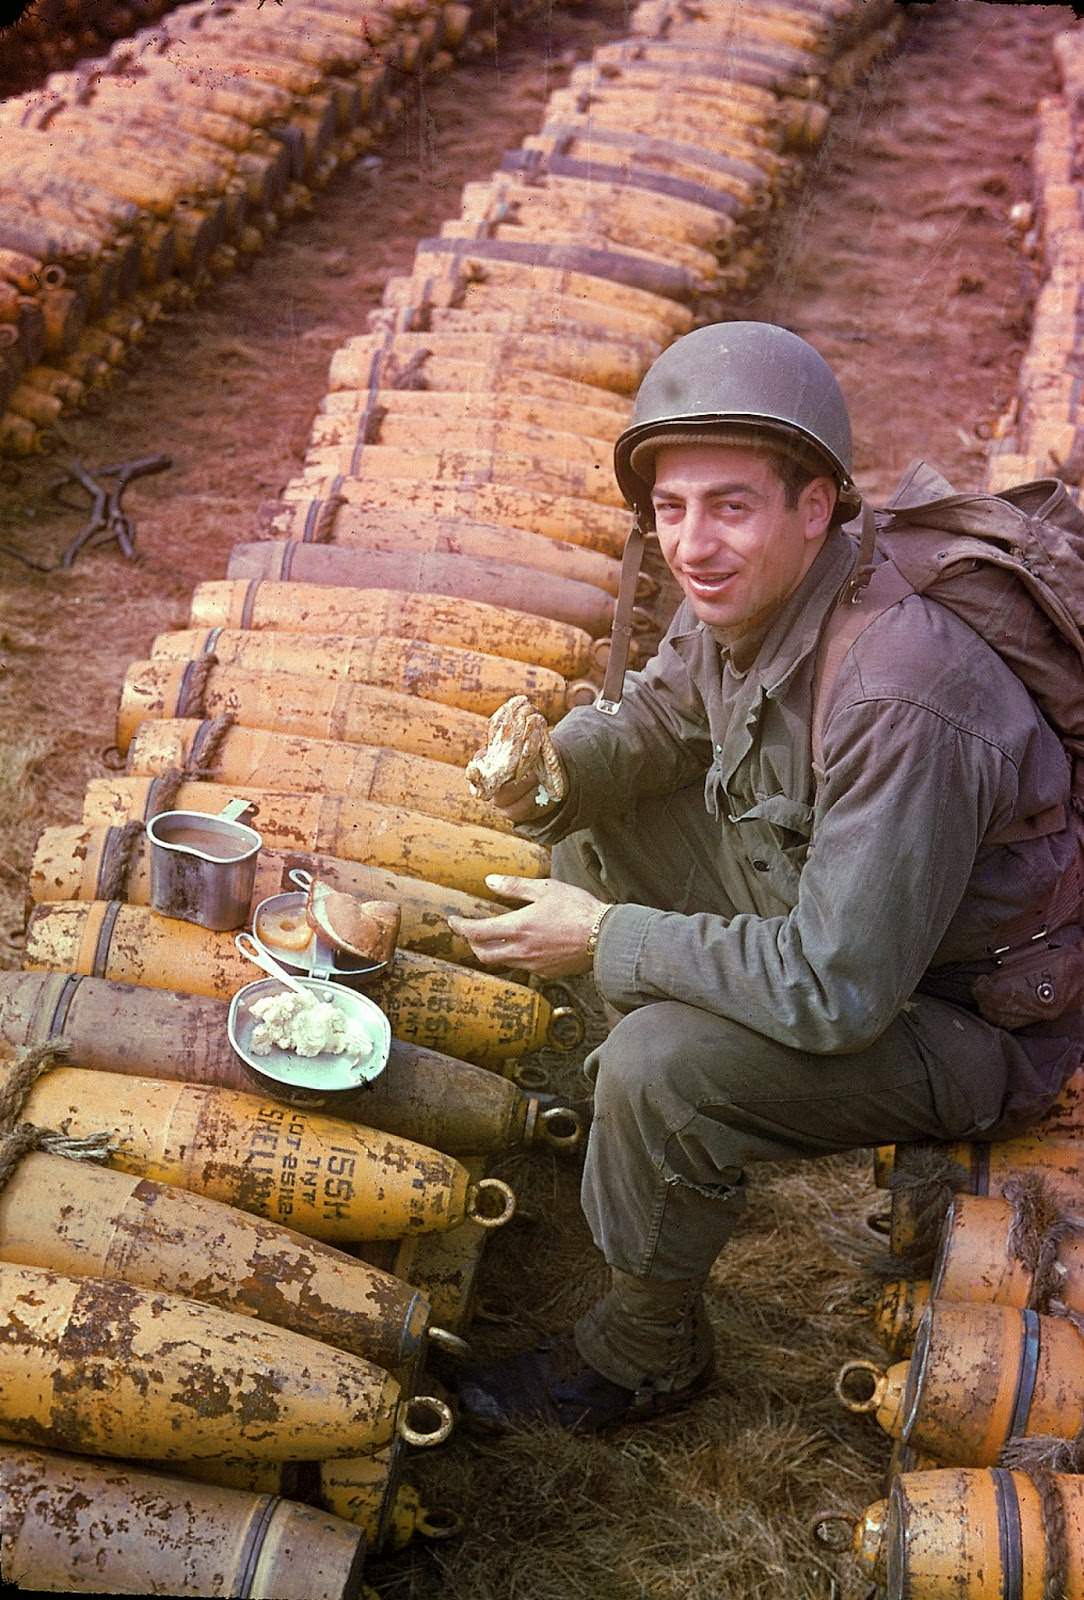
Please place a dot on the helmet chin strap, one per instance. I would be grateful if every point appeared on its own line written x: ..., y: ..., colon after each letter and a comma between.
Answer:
x: 863, y: 567
x: 609, y: 700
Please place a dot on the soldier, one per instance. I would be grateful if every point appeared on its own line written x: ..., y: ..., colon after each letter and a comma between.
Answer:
x: 789, y: 955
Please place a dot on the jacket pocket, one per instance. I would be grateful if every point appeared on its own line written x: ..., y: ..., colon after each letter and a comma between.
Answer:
x: 1035, y: 986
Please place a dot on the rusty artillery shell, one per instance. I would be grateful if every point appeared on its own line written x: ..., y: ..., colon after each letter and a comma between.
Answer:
x: 976, y: 1260
x: 431, y: 430
x: 412, y: 534
x: 619, y: 209
x: 458, y: 855
x: 973, y: 1534
x: 451, y: 676
x: 286, y: 703
x: 613, y: 364
x: 482, y: 486
x: 294, y: 764
x: 62, y: 1513
x: 986, y: 1169
x: 328, y: 1178
x: 312, y: 608
x: 899, y: 1309
x: 473, y: 1015
x: 982, y: 1374
x: 493, y: 468
x: 106, y: 1368
x: 592, y: 413
x: 438, y: 578
x: 422, y: 1095
x: 477, y: 376
x: 368, y: 1491
x: 92, y: 1222
x: 80, y: 864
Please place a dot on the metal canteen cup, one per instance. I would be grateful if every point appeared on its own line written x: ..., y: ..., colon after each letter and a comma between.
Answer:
x: 207, y: 880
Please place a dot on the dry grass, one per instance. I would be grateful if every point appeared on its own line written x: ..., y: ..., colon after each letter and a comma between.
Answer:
x: 713, y: 1503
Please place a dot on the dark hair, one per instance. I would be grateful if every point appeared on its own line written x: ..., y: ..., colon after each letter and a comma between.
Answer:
x: 795, y: 472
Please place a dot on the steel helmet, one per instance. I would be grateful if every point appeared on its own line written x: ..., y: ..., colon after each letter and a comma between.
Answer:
x: 751, y: 375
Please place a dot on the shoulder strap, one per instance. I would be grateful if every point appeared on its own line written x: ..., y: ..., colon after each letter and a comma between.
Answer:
x: 848, y: 621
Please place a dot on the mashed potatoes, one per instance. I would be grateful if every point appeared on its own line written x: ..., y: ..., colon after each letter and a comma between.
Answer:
x: 306, y: 1026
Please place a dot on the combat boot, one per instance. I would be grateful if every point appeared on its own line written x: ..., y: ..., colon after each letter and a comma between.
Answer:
x: 644, y: 1349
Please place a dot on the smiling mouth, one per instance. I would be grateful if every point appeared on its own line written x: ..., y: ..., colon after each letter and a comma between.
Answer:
x: 708, y: 582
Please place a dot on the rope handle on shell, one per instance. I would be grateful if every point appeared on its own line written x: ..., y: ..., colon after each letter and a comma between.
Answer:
x: 18, y: 1139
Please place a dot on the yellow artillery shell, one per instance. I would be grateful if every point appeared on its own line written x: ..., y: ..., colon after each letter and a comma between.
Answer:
x: 667, y: 116
x: 552, y: 301
x: 899, y: 1309
x: 473, y: 1015
x: 581, y: 139
x: 976, y: 1261
x: 559, y: 516
x: 312, y: 766
x: 979, y: 1375
x: 656, y: 315
x: 107, y: 1368
x: 608, y: 363
x: 986, y: 1169
x: 61, y: 1514
x: 459, y: 297
x: 552, y: 214
x: 593, y: 413
x: 368, y: 1492
x: 315, y: 608
x: 325, y: 1177
x: 77, y: 863
x: 458, y: 855
x: 422, y: 1095
x: 552, y: 476
x: 445, y: 673
x: 355, y: 528
x: 289, y: 703
x: 735, y: 26
x: 612, y: 206
x: 408, y: 431
x: 946, y: 1536
x: 92, y: 1222
x: 482, y: 381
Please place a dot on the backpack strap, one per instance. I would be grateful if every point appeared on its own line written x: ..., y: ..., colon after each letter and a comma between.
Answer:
x: 847, y: 622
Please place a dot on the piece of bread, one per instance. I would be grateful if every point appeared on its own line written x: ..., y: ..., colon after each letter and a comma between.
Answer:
x: 285, y: 930
x: 519, y: 746
x: 368, y: 929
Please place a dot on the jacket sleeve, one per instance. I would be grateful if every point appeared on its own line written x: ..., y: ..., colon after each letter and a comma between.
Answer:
x: 898, y: 823
x: 657, y: 743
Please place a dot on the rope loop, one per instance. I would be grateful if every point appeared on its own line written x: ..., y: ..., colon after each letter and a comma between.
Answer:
x: 18, y: 1139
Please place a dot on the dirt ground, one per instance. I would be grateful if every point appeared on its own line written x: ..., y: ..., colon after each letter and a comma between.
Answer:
x: 900, y: 264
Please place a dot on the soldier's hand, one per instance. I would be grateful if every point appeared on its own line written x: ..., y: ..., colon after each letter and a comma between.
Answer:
x: 547, y: 936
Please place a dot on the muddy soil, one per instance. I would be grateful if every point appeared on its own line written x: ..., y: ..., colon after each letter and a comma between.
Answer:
x: 899, y: 262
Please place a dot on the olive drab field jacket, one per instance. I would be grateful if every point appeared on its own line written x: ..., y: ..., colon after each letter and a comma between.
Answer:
x: 838, y: 901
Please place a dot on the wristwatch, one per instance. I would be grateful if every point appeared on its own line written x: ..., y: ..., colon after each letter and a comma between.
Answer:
x: 596, y: 928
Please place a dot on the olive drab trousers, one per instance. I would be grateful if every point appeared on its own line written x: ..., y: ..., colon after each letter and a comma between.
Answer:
x: 685, y: 1099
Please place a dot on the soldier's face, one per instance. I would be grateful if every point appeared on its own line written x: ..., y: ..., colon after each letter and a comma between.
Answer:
x: 727, y: 534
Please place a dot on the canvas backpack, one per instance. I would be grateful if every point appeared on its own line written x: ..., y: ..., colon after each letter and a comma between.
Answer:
x: 1010, y: 565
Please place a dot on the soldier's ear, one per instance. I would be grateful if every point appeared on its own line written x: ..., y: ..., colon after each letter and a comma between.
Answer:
x: 818, y: 502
